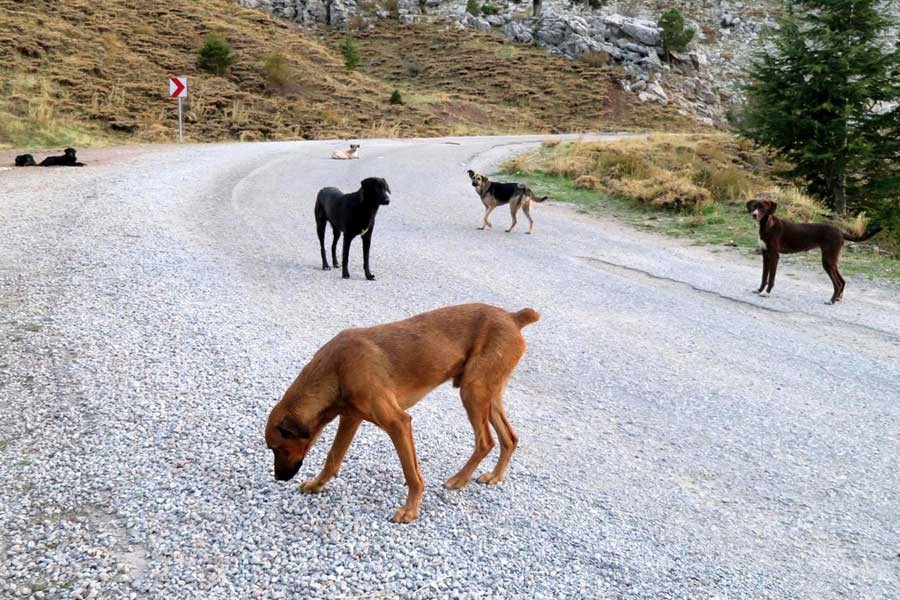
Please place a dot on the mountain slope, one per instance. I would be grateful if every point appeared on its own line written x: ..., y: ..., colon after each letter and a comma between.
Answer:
x: 86, y: 72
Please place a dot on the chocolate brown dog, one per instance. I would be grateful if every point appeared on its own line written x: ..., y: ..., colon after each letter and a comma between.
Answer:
x: 376, y: 373
x: 783, y: 237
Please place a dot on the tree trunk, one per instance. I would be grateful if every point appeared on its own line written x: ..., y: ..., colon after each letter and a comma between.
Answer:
x: 840, y: 194
x: 536, y: 10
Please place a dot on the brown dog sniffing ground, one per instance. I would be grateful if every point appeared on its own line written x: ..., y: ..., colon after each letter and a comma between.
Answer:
x: 375, y: 373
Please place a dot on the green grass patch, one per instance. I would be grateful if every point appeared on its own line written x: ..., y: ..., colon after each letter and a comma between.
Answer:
x: 715, y: 225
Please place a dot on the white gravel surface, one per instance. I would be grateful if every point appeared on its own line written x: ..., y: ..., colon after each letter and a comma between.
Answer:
x: 680, y: 437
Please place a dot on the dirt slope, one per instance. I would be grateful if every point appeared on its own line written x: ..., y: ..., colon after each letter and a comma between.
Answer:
x: 86, y: 72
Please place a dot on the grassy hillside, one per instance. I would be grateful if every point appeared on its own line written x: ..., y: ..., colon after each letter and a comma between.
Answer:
x: 84, y: 72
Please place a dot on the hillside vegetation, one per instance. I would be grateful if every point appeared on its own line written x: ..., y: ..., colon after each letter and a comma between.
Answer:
x: 84, y: 72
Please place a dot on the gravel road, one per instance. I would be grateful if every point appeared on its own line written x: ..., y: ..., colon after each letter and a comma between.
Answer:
x: 680, y: 437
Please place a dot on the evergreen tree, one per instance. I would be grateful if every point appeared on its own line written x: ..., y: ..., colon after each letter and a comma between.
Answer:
x: 824, y: 95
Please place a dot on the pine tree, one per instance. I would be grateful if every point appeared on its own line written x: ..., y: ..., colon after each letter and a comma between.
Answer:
x: 824, y: 95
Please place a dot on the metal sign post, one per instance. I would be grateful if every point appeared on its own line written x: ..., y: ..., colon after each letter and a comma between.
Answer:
x: 178, y: 89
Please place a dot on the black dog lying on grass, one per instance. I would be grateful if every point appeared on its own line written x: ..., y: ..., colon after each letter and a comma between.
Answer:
x: 350, y: 215
x: 66, y: 160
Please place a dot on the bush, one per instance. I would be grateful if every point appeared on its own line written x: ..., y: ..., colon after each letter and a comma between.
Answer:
x: 595, y: 59
x: 350, y: 52
x: 675, y: 36
x: 489, y: 9
x: 216, y: 55
x: 393, y: 7
x: 472, y: 7
x: 396, y: 98
x: 277, y: 70
x: 731, y: 184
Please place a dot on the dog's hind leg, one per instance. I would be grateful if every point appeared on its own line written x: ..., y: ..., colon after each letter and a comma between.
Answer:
x: 335, y: 236
x: 346, y: 430
x: 526, y: 208
x: 321, y: 221
x: 836, y: 280
x: 513, y: 209
x: 508, y: 441
x: 476, y: 396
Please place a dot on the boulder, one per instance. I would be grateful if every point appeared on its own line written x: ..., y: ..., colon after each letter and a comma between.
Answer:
x: 649, y: 36
x: 519, y: 32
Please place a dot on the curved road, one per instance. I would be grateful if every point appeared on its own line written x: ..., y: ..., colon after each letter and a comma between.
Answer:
x: 680, y: 437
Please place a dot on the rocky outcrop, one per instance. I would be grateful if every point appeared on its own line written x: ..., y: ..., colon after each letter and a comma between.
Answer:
x: 703, y: 81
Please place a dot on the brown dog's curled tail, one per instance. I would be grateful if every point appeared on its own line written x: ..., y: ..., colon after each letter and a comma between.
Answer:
x: 525, y: 317
x: 861, y: 238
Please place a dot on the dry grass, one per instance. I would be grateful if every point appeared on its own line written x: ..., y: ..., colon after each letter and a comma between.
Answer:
x: 672, y: 170
x: 85, y: 72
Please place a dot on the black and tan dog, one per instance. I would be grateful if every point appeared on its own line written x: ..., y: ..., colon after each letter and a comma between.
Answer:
x: 376, y: 373
x: 494, y: 194
x: 778, y: 237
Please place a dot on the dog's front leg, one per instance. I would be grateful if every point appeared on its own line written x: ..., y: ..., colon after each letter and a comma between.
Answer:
x: 366, y: 244
x: 347, y: 428
x: 773, y: 266
x: 765, y: 272
x: 398, y: 425
x: 345, y: 271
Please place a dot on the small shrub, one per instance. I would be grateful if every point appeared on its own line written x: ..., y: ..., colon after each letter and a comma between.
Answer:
x: 350, y: 52
x: 489, y: 9
x: 472, y: 7
x: 795, y: 205
x: 396, y: 98
x: 675, y: 35
x: 277, y: 70
x: 595, y: 59
x: 216, y: 55
x: 392, y: 6
x: 730, y: 184
x: 356, y: 22
x: 665, y: 190
x: 588, y: 182
x: 413, y: 68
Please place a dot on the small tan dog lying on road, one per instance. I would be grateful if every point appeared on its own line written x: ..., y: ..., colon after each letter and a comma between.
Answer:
x: 376, y: 373
x: 353, y: 152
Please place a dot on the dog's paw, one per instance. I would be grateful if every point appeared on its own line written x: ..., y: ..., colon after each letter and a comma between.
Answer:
x: 490, y: 479
x: 313, y: 486
x: 763, y: 294
x: 345, y: 275
x: 405, y: 514
x: 370, y: 277
x: 456, y: 483
x: 326, y: 268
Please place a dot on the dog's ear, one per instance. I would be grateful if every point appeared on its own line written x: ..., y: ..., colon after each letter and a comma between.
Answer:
x: 749, y: 205
x: 471, y: 173
x: 387, y: 188
x: 290, y: 429
x: 771, y: 206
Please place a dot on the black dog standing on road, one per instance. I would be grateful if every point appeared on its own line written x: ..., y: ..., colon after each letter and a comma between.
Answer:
x: 350, y: 215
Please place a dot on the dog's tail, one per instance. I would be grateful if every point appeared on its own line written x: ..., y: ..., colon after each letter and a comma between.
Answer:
x: 861, y: 238
x: 533, y: 197
x: 525, y: 317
